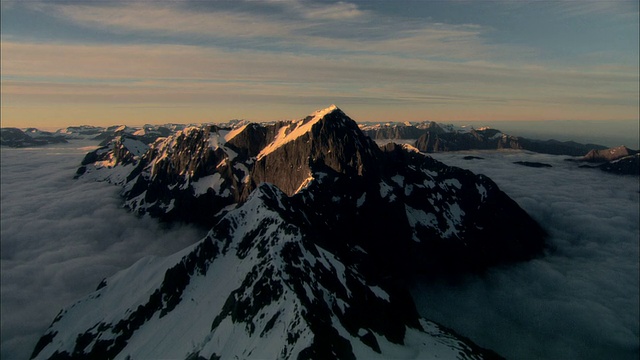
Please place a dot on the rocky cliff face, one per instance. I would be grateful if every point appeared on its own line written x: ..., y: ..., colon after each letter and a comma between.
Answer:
x: 314, y: 229
x: 327, y: 139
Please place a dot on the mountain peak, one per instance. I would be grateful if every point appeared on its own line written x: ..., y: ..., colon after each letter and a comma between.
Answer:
x: 325, y: 111
x: 296, y: 129
x: 307, y: 251
x: 327, y: 138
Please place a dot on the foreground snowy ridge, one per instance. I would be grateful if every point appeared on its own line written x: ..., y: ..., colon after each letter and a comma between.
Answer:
x: 309, y: 243
x: 276, y: 295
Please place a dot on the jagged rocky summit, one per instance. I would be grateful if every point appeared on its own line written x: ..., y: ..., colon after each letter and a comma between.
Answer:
x: 314, y: 230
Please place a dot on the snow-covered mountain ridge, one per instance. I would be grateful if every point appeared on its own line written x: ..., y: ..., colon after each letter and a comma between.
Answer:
x: 268, y: 291
x: 313, y: 229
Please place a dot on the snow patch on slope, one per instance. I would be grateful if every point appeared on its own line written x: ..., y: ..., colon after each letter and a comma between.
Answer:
x: 419, y: 217
x: 202, y: 185
x: 231, y: 134
x: 135, y: 147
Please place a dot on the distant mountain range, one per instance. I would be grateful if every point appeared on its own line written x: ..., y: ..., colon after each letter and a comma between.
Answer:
x: 428, y: 137
x: 433, y: 137
x: 14, y: 137
x: 314, y: 232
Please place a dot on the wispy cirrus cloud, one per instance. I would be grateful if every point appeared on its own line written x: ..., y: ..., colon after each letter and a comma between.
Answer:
x: 169, y: 19
x: 307, y: 27
x: 618, y: 8
x: 181, y: 75
x: 322, y: 11
x: 157, y: 68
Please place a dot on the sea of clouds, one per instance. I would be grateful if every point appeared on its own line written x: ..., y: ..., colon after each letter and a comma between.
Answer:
x: 60, y: 237
x: 581, y: 299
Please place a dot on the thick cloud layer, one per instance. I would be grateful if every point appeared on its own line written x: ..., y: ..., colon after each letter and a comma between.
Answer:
x: 60, y: 237
x: 579, y: 301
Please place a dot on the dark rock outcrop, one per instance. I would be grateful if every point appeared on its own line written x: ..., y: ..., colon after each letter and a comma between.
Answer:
x: 627, y: 165
x: 532, y: 164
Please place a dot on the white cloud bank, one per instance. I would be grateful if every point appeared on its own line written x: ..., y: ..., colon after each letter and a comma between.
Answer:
x: 581, y: 300
x: 60, y: 237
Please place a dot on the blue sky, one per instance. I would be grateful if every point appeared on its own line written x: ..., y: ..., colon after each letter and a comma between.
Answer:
x: 106, y: 62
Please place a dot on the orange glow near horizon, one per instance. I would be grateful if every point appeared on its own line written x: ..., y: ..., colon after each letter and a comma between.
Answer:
x: 59, y: 116
x: 56, y: 85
